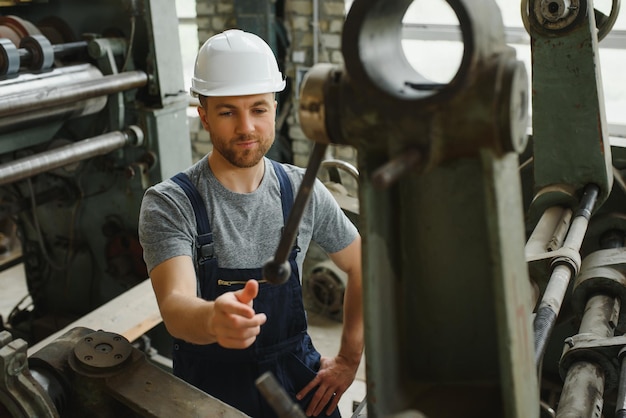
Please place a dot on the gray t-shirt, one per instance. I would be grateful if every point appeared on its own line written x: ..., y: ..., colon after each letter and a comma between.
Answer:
x: 246, y: 227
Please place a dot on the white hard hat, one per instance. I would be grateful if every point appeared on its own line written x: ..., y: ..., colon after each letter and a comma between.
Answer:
x: 235, y: 63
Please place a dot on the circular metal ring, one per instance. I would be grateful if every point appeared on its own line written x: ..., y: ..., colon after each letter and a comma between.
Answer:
x: 9, y: 58
x: 41, y: 52
x: 605, y: 27
x: 102, y: 351
x: 312, y: 109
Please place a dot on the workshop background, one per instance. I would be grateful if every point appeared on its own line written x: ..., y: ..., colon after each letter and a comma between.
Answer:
x: 73, y: 175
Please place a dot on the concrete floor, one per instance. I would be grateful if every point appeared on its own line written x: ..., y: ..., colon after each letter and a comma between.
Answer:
x: 325, y: 332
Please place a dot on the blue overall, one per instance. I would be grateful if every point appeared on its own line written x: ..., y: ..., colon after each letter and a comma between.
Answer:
x: 283, y: 346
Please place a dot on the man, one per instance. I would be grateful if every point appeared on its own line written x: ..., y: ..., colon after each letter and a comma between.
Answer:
x: 207, y: 232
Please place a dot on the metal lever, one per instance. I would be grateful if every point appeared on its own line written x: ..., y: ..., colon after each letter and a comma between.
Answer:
x: 276, y: 396
x: 277, y: 269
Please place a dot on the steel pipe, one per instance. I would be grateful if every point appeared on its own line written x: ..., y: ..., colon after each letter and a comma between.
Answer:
x: 583, y: 389
x: 58, y: 77
x: 55, y: 96
x: 620, y: 404
x: 50, y: 114
x: 69, y: 154
x: 582, y: 392
x: 13, y: 89
x: 550, y: 304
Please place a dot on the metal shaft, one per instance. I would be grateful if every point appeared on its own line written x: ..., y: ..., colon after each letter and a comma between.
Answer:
x: 554, y: 294
x: 583, y: 389
x: 48, y: 97
x: 587, y: 400
x: 278, y: 399
x: 549, y: 309
x: 277, y: 270
x: 58, y: 78
x: 59, y: 157
x: 59, y: 50
x: 620, y: 404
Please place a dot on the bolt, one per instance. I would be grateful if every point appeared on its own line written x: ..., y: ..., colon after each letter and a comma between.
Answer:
x: 555, y: 10
x: 88, y: 358
x: 16, y: 364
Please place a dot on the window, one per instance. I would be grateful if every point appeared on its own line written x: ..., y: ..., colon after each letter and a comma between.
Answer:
x: 431, y: 32
x: 188, y: 32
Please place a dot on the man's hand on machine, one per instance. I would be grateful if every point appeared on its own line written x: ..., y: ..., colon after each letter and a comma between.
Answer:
x: 234, y: 323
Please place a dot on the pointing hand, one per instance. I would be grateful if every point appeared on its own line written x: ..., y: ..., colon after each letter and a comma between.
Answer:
x: 235, y: 324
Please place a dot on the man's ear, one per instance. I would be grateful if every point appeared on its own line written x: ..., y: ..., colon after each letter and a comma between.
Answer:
x: 203, y: 118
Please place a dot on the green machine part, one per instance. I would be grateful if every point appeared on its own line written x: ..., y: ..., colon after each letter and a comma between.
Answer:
x: 570, y: 137
x: 447, y: 294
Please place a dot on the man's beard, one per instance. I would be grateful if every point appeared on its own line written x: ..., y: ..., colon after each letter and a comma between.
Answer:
x: 243, y: 158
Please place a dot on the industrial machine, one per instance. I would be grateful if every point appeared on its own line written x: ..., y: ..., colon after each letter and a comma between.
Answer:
x: 91, y: 100
x: 493, y: 259
x: 91, y: 97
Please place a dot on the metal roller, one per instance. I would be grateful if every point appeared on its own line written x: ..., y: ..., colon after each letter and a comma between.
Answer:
x: 66, y: 92
x: 79, y: 151
x: 55, y: 95
x: 9, y: 57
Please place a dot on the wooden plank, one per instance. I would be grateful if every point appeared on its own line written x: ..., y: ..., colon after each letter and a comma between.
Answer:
x: 131, y: 314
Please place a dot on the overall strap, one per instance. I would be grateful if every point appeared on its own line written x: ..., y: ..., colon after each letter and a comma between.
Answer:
x: 204, y: 242
x: 286, y: 197
x: 286, y: 192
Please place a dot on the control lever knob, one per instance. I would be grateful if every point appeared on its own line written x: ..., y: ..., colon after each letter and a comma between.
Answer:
x: 275, y: 272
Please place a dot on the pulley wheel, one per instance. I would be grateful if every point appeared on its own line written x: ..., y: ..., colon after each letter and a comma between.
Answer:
x: 41, y: 52
x: 16, y: 28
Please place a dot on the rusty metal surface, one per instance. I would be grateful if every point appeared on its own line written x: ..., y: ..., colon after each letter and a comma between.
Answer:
x: 570, y: 137
x: 152, y: 392
x: 440, y: 213
x: 107, y: 377
x: 20, y: 395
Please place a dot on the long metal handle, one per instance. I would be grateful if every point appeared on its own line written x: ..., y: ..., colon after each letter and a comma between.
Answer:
x: 277, y: 270
x: 276, y: 396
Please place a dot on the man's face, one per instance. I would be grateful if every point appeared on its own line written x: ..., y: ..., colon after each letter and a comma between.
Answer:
x: 241, y: 127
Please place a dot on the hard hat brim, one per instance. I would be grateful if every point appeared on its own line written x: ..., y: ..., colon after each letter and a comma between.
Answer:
x: 230, y: 90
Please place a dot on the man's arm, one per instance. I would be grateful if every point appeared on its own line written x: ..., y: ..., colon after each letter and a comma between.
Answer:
x: 229, y: 320
x: 349, y: 260
x: 337, y: 374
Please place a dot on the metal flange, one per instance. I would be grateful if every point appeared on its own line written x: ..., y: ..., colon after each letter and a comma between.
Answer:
x: 102, y: 352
